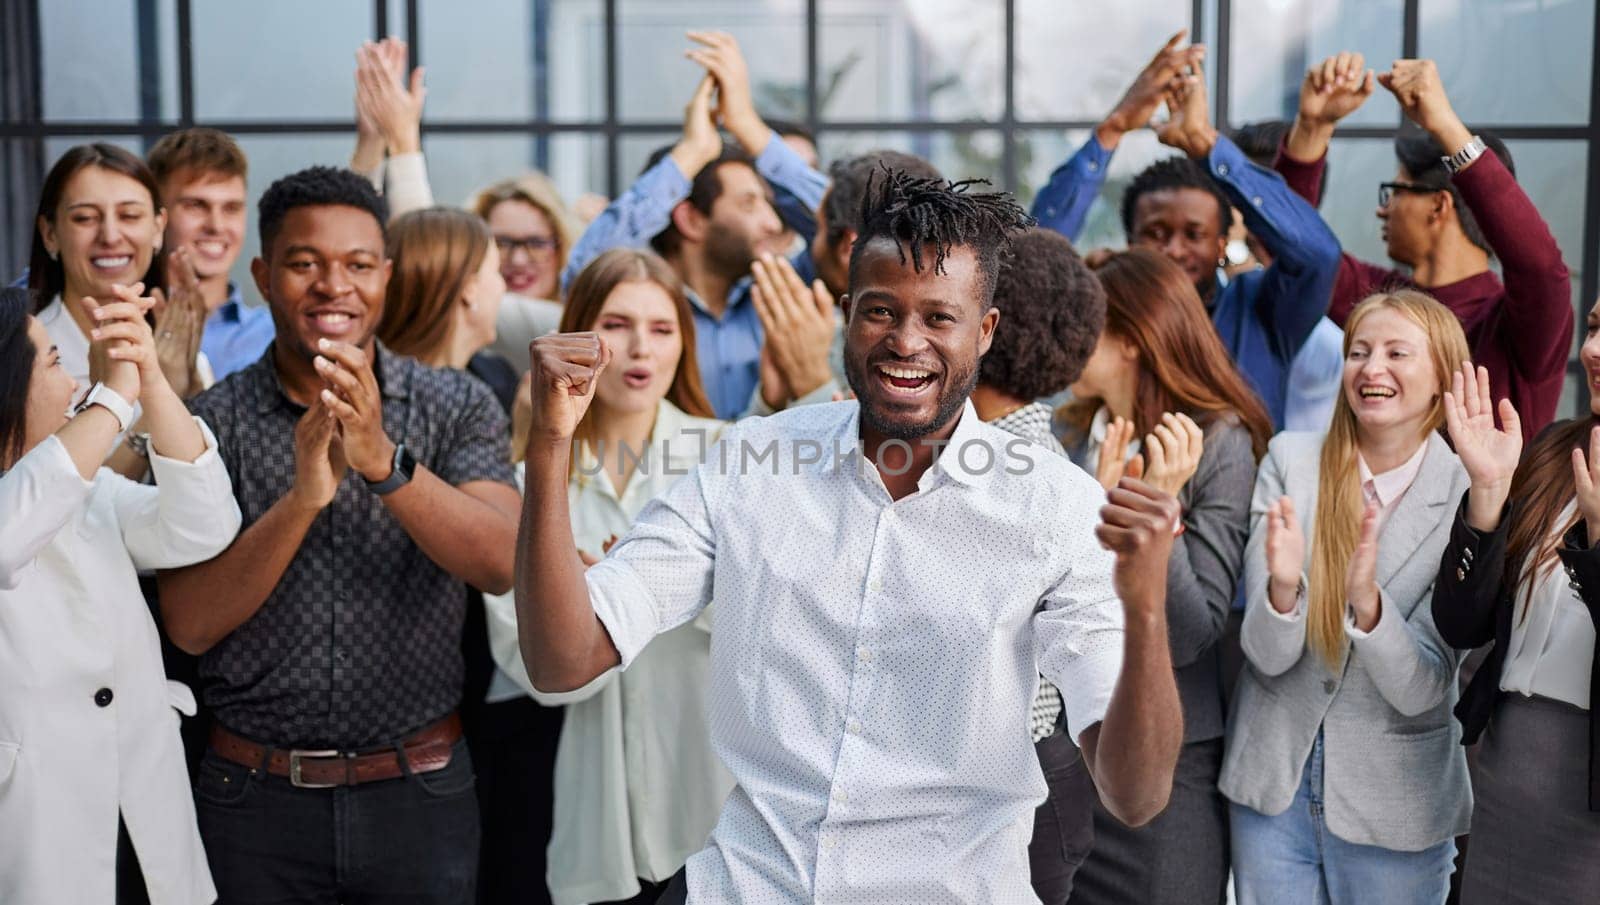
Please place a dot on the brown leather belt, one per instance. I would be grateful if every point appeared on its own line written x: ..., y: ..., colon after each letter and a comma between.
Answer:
x: 426, y: 751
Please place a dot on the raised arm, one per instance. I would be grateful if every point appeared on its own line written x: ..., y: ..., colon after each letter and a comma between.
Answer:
x: 1467, y: 589
x: 1330, y: 91
x: 1538, y: 313
x: 1064, y: 201
x: 1305, y: 252
x: 42, y: 490
x: 645, y: 209
x: 564, y: 644
x: 778, y: 163
x: 1133, y: 751
x: 389, y: 115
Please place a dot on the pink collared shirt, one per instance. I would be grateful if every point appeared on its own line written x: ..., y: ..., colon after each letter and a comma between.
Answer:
x: 1387, y: 488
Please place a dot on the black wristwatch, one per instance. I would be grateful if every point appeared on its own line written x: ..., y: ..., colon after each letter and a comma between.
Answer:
x: 399, y: 475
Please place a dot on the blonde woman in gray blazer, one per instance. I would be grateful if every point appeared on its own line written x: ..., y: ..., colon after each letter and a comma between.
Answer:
x: 1345, y: 771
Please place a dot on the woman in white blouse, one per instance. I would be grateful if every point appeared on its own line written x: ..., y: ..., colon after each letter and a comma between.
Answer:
x: 1345, y: 772
x: 1523, y: 571
x: 88, y: 725
x: 638, y: 788
x: 99, y: 224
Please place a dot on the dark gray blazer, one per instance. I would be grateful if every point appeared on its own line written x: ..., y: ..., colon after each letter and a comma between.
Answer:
x: 1204, y: 568
x: 1394, y: 771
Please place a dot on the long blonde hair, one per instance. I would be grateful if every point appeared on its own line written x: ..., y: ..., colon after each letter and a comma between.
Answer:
x: 1337, y: 524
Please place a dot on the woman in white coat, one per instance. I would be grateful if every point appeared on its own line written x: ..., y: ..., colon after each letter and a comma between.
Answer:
x: 637, y: 786
x: 88, y: 729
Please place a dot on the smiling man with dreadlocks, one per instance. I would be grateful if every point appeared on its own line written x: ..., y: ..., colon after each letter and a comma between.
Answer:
x: 891, y: 576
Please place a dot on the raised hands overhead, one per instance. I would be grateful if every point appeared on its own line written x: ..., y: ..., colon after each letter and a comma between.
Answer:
x: 1489, y: 454
x: 1416, y: 86
x: 701, y: 142
x: 719, y: 53
x: 1336, y: 88
x: 1149, y: 89
x: 1189, y: 127
x: 798, y: 325
x: 1330, y: 91
x: 388, y: 103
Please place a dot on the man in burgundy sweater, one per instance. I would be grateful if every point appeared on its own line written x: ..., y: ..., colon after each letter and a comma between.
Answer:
x: 1454, y: 202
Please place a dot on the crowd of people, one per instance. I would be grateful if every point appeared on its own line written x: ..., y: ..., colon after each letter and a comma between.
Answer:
x: 790, y: 533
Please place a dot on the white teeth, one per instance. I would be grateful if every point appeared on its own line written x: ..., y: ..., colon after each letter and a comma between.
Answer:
x: 111, y: 263
x: 211, y: 248
x: 1376, y: 392
x: 334, y: 318
x: 905, y: 373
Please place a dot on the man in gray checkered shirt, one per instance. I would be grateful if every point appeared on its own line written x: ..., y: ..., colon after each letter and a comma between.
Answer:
x: 373, y: 488
x: 1052, y: 310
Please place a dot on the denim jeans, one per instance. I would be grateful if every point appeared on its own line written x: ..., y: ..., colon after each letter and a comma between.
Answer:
x: 412, y: 840
x: 1293, y: 857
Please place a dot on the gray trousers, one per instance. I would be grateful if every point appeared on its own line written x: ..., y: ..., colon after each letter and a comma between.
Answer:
x: 1181, y: 857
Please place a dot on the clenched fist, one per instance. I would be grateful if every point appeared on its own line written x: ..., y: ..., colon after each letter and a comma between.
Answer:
x: 565, y: 369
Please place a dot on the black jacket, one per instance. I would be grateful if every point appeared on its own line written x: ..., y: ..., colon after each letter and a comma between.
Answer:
x: 1470, y: 610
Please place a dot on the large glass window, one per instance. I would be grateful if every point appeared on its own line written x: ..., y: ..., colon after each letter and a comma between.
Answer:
x: 1002, y: 90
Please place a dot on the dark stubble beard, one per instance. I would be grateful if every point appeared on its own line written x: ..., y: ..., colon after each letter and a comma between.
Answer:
x: 728, y: 252
x: 957, y: 386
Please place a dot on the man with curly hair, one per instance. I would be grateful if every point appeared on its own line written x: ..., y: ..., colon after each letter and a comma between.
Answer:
x: 886, y: 595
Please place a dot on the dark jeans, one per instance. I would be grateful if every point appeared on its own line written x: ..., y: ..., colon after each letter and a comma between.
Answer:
x: 1063, y: 827
x: 411, y: 840
x: 513, y: 746
x: 677, y: 889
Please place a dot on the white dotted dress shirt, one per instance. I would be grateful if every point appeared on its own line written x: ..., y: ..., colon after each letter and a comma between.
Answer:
x: 874, y: 661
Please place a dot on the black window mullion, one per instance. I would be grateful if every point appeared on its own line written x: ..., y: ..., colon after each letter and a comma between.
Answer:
x: 1590, y: 286
x: 613, y: 149
x: 185, y: 64
x: 1008, y: 112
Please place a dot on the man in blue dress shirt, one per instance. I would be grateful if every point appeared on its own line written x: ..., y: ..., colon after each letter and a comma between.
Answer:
x: 201, y: 174
x: 710, y: 212
x: 1184, y: 206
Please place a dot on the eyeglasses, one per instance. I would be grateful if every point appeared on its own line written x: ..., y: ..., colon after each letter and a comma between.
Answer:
x: 1386, y: 190
x: 532, y: 245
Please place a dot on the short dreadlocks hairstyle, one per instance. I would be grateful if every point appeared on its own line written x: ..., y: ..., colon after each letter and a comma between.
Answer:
x: 1052, y: 310
x: 848, y: 179
x: 314, y: 187
x: 1174, y: 173
x: 924, y: 215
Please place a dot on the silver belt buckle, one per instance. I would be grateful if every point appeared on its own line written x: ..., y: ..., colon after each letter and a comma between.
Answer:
x: 294, y: 769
